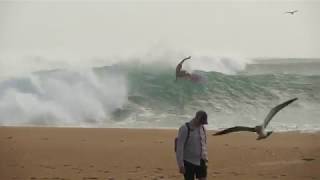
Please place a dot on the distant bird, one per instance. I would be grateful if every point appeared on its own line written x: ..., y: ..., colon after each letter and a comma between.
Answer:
x: 291, y: 12
x: 260, y: 129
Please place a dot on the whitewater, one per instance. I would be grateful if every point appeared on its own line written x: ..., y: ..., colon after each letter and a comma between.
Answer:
x: 146, y: 95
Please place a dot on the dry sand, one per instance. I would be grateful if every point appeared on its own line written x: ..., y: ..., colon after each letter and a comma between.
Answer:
x: 75, y: 153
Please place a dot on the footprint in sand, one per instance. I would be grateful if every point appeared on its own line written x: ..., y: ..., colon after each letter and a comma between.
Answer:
x: 56, y: 178
x: 158, y: 170
x: 89, y: 178
x: 48, y: 167
x: 216, y: 172
x: 160, y: 142
x: 10, y: 137
x: 77, y: 169
x: 308, y: 159
x: 272, y: 163
x: 235, y: 173
x: 173, y: 176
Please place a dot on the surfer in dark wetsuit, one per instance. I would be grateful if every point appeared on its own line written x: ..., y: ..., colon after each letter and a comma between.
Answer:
x: 182, y: 73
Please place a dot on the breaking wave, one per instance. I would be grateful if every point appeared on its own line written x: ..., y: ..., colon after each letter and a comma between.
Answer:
x: 146, y: 95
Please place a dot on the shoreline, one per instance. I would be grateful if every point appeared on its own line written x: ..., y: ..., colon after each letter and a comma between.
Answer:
x: 147, y: 128
x: 117, y: 153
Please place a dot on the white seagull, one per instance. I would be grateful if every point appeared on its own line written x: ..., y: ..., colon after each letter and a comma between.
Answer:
x: 260, y: 129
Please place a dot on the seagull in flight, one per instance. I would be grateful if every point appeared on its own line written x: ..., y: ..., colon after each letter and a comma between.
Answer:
x: 260, y: 129
x: 291, y: 12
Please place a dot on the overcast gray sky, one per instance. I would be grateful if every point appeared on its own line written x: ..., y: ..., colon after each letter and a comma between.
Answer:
x: 102, y: 28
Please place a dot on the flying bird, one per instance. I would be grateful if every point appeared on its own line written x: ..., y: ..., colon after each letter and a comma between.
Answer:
x: 291, y: 12
x: 260, y: 129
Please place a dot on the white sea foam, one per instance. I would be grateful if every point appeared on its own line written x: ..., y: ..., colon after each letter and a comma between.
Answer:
x: 62, y: 98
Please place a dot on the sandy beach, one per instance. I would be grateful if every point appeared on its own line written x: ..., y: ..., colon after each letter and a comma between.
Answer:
x: 81, y: 153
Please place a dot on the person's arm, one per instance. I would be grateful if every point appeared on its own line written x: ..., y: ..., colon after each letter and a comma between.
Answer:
x: 204, y: 144
x: 189, y: 57
x: 179, y: 66
x: 182, y: 136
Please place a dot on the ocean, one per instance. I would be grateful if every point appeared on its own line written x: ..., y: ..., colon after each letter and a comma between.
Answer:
x: 141, y: 95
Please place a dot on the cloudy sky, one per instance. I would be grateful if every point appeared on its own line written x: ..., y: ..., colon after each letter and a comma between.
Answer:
x: 101, y: 28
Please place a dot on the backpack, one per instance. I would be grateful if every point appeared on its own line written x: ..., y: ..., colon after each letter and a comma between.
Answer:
x: 188, y: 135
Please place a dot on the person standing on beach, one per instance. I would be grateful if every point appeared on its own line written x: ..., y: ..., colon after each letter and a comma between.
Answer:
x: 191, y: 148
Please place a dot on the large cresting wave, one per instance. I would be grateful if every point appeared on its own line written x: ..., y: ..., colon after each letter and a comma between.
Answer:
x: 142, y: 95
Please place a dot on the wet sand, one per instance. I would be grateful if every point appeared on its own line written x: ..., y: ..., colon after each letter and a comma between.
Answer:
x: 76, y: 153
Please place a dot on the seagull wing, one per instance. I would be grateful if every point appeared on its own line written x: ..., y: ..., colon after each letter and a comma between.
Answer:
x: 275, y: 110
x: 235, y: 129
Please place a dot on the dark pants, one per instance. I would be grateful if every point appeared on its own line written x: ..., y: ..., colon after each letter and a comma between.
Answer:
x: 192, y: 170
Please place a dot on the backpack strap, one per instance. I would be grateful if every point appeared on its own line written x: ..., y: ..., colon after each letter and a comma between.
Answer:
x: 187, y: 138
x: 188, y: 134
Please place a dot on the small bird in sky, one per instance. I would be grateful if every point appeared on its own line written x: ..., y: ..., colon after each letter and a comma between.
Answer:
x: 291, y: 12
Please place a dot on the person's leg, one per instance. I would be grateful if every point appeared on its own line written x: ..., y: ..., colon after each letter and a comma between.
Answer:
x: 189, y: 171
x: 201, y: 171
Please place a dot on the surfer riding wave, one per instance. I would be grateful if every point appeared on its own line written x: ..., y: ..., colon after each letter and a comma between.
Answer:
x: 183, y: 74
